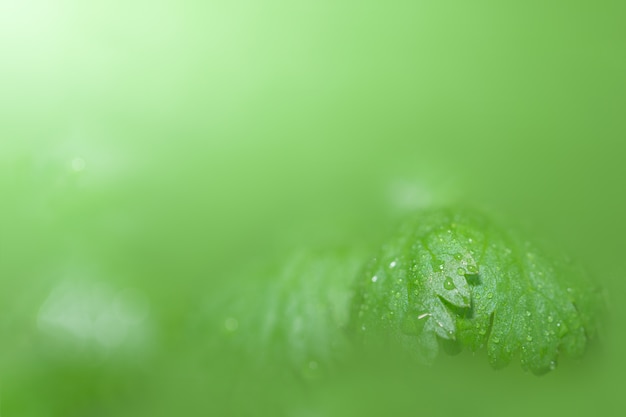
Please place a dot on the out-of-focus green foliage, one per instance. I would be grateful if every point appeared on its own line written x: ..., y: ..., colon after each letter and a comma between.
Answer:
x: 161, y: 162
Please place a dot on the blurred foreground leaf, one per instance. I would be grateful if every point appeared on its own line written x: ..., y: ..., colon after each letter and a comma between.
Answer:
x: 295, y: 316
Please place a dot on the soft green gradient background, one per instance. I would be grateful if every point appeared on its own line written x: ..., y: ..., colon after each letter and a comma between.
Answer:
x: 220, y: 136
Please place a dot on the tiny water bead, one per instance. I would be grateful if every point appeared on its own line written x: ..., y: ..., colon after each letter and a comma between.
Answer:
x: 448, y: 284
x: 458, y: 256
x: 374, y: 278
x: 438, y: 265
x: 460, y: 271
x: 472, y: 269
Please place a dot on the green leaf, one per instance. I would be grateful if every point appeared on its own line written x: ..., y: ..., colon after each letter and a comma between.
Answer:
x: 294, y: 313
x: 451, y: 279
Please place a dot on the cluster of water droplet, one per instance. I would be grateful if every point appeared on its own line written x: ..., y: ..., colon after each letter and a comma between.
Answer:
x: 471, y: 284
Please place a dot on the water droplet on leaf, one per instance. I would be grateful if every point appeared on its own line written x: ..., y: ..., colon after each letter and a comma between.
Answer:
x: 448, y: 284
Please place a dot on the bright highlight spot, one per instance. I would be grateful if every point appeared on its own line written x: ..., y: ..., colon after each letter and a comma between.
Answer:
x: 231, y: 324
x: 93, y: 312
x: 78, y: 164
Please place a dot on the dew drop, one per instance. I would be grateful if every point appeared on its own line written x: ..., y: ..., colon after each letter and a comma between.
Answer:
x: 458, y: 256
x: 529, y: 338
x: 495, y: 339
x: 437, y: 265
x: 528, y: 313
x: 393, y: 264
x: 460, y: 271
x: 374, y: 278
x: 448, y: 284
x: 550, y: 319
x: 472, y: 269
x: 552, y: 365
x: 489, y: 295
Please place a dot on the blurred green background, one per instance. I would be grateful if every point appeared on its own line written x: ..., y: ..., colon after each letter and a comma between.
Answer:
x: 163, y: 163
